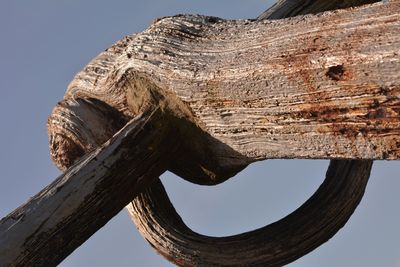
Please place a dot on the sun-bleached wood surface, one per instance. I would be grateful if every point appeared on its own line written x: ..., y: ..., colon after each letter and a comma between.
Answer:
x: 320, y: 86
x: 323, y: 86
x: 52, y: 224
x: 276, y: 244
x: 322, y: 215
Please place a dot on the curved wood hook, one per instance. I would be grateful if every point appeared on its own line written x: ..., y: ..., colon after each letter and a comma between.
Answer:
x: 282, y: 242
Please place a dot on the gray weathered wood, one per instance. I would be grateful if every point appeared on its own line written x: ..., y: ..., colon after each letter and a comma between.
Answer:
x: 229, y: 82
x: 290, y: 8
x: 47, y: 228
x: 322, y: 86
x: 344, y: 186
x: 277, y: 244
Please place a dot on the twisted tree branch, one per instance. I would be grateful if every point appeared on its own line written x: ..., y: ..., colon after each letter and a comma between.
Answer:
x: 233, y: 92
x: 312, y: 224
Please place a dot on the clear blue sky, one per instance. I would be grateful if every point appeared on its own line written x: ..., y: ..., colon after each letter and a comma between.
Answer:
x: 44, y: 43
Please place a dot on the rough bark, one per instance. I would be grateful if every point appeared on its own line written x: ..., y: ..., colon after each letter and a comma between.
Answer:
x: 46, y: 229
x: 295, y: 235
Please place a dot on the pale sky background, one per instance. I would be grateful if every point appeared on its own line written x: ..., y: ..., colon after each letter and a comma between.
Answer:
x: 44, y: 43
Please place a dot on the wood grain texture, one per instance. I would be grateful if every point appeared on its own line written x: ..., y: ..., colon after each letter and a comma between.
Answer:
x: 344, y: 186
x: 237, y: 80
x: 49, y: 226
x: 322, y: 86
x: 277, y: 244
x: 289, y: 8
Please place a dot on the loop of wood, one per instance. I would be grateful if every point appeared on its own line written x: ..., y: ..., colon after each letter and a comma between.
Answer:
x: 282, y: 242
x: 345, y: 182
x: 233, y: 92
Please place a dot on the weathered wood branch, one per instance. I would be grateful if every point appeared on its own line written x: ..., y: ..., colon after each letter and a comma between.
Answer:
x: 63, y: 215
x: 344, y: 186
x: 290, y: 8
x: 282, y: 242
x: 321, y: 86
x: 324, y: 86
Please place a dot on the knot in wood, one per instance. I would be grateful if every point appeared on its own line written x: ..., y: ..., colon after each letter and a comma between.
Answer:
x: 77, y: 126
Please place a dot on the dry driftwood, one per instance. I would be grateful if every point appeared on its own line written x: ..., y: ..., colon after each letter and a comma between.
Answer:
x: 321, y: 86
x: 236, y: 92
x: 52, y: 224
x: 279, y: 243
x: 290, y: 8
x: 282, y: 242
